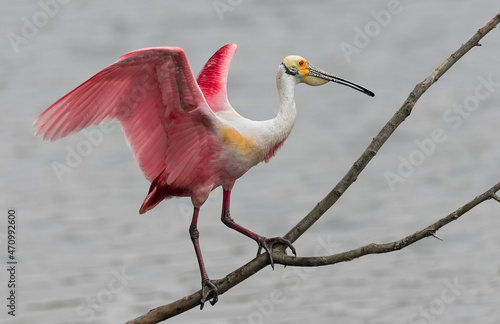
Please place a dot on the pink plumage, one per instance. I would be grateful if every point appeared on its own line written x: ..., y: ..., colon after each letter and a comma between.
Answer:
x: 185, y: 136
x: 153, y: 94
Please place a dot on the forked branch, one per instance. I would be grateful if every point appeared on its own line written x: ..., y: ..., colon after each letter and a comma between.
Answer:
x: 282, y: 258
x: 385, y: 133
x: 164, y: 312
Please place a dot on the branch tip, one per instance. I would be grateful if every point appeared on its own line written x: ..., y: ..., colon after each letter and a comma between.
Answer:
x: 435, y: 235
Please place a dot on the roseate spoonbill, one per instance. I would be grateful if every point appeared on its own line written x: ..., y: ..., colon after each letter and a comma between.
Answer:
x: 185, y: 136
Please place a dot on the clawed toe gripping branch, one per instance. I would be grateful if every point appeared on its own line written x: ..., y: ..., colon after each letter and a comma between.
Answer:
x: 268, y: 243
x: 208, y: 288
x: 277, y: 254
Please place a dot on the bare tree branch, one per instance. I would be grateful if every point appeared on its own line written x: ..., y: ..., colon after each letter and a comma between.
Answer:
x: 164, y: 312
x: 385, y: 133
x: 373, y: 248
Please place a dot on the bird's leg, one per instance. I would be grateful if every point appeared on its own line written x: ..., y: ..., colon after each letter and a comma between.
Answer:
x: 264, y: 243
x: 207, y: 286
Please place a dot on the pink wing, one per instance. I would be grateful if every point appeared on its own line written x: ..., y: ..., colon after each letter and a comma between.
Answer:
x: 212, y: 78
x: 152, y: 92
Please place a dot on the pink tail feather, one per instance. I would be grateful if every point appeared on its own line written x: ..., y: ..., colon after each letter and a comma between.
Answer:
x: 158, y: 191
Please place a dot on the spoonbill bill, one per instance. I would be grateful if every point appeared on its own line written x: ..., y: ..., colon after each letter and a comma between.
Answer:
x: 184, y: 134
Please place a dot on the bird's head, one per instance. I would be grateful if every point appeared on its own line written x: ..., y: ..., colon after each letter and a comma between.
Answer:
x: 305, y: 72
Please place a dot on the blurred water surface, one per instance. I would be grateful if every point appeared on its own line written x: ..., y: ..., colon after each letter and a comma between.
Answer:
x: 86, y: 256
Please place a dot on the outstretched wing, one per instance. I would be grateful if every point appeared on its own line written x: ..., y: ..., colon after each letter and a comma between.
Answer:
x: 212, y: 79
x: 153, y: 93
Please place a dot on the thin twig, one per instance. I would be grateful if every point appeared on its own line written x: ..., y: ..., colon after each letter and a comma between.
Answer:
x: 164, y: 312
x: 436, y: 236
x: 373, y: 248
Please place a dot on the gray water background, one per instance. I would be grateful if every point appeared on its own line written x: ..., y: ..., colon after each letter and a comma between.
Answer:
x: 75, y: 235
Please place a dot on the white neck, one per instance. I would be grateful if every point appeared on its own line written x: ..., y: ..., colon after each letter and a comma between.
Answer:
x: 287, y: 113
x: 278, y: 128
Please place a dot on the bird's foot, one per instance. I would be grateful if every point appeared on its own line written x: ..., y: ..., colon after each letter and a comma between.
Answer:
x: 209, y: 286
x: 268, y: 243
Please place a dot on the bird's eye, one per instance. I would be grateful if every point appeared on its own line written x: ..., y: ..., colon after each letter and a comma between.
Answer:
x: 301, y: 62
